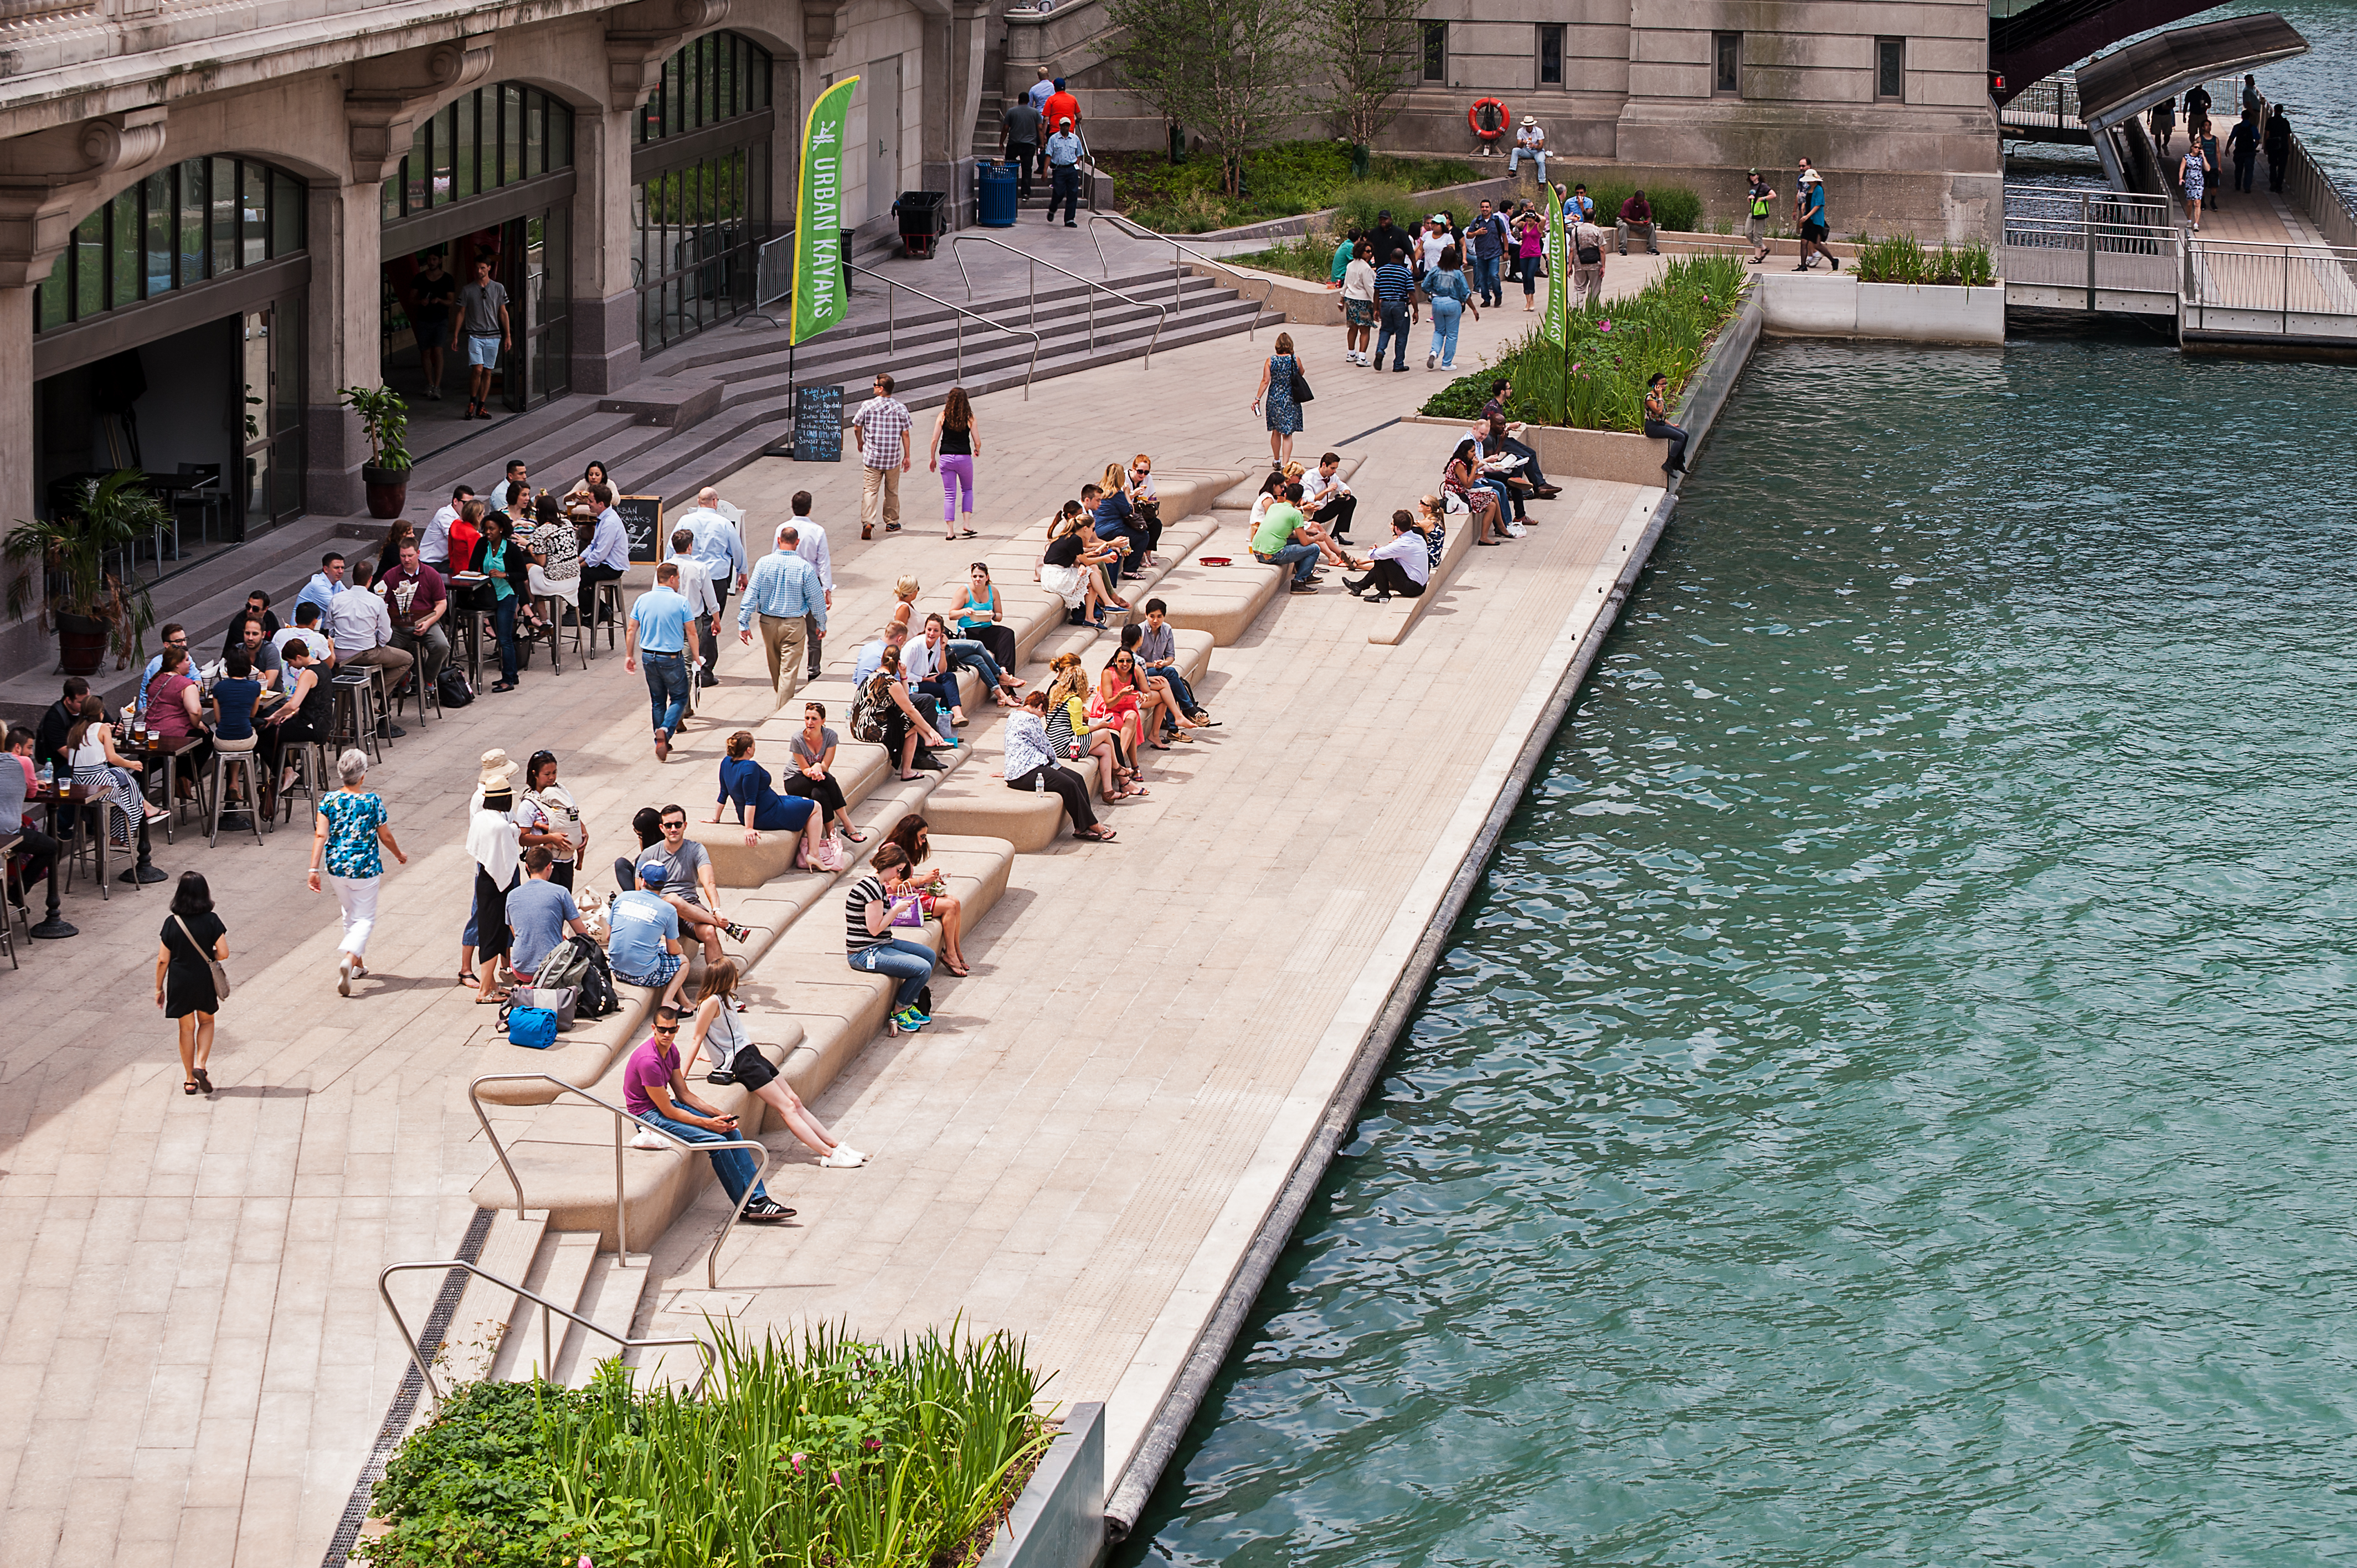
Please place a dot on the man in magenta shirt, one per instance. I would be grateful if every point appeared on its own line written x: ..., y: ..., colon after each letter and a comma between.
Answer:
x: 655, y: 1091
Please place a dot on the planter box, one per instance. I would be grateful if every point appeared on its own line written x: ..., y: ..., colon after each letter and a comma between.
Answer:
x: 1841, y: 307
x: 1059, y: 1522
x: 1299, y: 301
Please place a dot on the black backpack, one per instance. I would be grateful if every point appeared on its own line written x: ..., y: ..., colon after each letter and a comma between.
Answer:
x: 581, y: 963
x: 450, y: 688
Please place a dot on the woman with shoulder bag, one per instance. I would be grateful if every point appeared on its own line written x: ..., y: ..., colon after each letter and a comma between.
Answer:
x: 721, y: 1035
x: 1277, y: 396
x: 189, y: 980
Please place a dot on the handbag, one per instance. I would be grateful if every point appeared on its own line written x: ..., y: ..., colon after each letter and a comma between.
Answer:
x: 220, y: 971
x: 558, y: 999
x: 1301, y: 393
x: 912, y: 914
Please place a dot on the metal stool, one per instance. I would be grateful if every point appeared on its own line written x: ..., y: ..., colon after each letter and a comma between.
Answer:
x: 173, y: 762
x: 97, y: 812
x: 606, y: 610
x: 309, y: 760
x: 421, y: 690
x: 354, y: 692
x: 381, y: 692
x: 247, y: 763
x: 7, y: 928
x: 551, y: 609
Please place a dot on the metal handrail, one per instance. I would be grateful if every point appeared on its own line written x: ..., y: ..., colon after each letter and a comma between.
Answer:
x: 891, y: 325
x: 1178, y: 283
x: 1161, y: 312
x: 547, y: 1342
x: 621, y: 1228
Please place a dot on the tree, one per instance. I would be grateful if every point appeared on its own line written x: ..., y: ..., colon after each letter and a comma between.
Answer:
x: 1225, y: 68
x: 1371, y: 46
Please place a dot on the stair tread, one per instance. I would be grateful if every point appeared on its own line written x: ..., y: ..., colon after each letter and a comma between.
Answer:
x: 610, y: 1298
x: 485, y: 1309
x: 563, y: 1266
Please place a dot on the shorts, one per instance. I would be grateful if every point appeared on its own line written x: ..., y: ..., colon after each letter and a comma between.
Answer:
x: 1756, y: 231
x: 666, y: 965
x: 1358, y: 312
x: 484, y: 351
x: 752, y: 1070
x: 1815, y: 232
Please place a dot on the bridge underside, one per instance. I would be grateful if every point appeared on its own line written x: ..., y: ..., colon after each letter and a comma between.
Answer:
x: 2033, y: 44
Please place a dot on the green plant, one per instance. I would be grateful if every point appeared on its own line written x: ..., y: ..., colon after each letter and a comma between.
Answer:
x: 1279, y: 181
x: 1597, y: 382
x: 1901, y: 258
x: 1223, y: 69
x: 1310, y: 257
x: 115, y: 511
x: 384, y: 422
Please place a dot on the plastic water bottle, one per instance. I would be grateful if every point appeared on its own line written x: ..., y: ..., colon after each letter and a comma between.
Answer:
x: 1039, y: 782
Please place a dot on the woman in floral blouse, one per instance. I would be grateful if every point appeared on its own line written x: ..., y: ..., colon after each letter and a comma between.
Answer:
x: 351, y: 823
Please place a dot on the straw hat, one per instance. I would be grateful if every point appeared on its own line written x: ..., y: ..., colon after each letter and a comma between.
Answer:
x: 497, y: 771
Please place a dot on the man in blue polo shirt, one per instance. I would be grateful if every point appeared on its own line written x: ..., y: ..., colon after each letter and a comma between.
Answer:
x: 658, y: 632
x: 1393, y: 285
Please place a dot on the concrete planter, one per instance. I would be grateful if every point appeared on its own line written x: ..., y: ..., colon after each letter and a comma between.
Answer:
x: 1059, y: 1520
x: 1841, y: 307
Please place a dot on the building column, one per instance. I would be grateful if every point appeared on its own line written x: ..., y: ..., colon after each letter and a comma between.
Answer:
x: 343, y: 340
x: 16, y: 404
x: 605, y: 302
x: 953, y: 54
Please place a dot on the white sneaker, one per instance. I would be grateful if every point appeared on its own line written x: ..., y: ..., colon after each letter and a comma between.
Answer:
x: 844, y: 1158
x: 1432, y: 361
x: 344, y: 975
x: 648, y: 1138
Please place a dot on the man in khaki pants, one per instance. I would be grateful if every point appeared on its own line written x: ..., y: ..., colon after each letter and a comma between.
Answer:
x: 881, y: 429
x: 784, y: 590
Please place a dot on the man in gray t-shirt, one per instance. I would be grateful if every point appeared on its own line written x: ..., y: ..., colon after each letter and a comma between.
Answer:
x: 1024, y: 135
x: 482, y: 322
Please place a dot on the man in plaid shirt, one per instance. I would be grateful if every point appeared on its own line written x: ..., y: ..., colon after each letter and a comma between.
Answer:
x: 881, y: 430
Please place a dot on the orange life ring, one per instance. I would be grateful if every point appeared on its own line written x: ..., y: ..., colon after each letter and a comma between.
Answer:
x: 1489, y: 132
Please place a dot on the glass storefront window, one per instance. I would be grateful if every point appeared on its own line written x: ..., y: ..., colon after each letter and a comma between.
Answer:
x: 700, y: 225
x: 204, y: 218
x: 719, y: 77
x: 492, y: 137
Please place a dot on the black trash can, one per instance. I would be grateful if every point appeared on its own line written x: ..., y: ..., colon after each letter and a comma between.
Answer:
x: 922, y: 215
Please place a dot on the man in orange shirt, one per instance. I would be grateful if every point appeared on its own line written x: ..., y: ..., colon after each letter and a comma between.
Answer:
x: 1061, y: 105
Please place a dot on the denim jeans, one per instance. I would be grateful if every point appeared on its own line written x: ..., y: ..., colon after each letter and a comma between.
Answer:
x: 1395, y: 325
x: 1485, y: 280
x: 1179, y: 687
x: 666, y: 688
x: 735, y: 1168
x: 964, y: 650
x: 911, y: 963
x: 1446, y: 316
x: 1515, y: 156
x: 1302, y: 558
x: 1064, y: 191
x: 503, y: 622
x: 942, y: 688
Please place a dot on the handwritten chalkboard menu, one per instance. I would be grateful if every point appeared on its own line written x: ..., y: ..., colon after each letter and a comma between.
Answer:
x: 642, y: 519
x: 818, y: 424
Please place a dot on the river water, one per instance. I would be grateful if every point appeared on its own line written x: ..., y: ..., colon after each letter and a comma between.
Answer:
x: 1890, y: 1100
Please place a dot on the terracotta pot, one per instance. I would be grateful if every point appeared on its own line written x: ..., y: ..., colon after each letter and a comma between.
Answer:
x: 388, y: 492
x: 82, y: 643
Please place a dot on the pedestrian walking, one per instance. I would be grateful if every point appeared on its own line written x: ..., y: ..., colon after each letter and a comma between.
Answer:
x: 2190, y: 175
x: 813, y: 549
x: 1394, y: 283
x: 1531, y: 254
x: 1277, y: 398
x: 2243, y: 147
x: 1359, y: 307
x: 482, y: 320
x: 349, y: 825
x: 2163, y: 120
x: 785, y: 594
x: 1451, y: 297
x: 955, y: 446
x: 494, y: 843
x: 1065, y: 150
x: 1023, y: 122
x: 880, y: 431
x: 2277, y: 144
x: 1658, y: 426
x: 658, y: 633
x: 1755, y: 226
x: 1489, y: 240
x: 1585, y: 244
x: 188, y: 956
x: 1809, y: 207
x: 2213, y: 179
x: 719, y: 547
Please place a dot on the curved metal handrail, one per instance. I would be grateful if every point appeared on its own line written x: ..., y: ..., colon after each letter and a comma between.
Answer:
x: 622, y: 1229
x: 891, y: 323
x: 1178, y: 283
x: 547, y: 1342
x: 1161, y: 312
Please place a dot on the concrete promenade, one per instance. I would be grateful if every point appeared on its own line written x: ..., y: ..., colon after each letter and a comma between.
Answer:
x: 195, y: 1360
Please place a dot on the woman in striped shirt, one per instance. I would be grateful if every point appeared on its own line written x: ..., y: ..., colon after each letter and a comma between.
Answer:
x: 870, y: 911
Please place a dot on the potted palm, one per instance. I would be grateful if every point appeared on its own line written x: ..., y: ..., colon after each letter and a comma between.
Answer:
x: 93, y: 609
x: 384, y: 421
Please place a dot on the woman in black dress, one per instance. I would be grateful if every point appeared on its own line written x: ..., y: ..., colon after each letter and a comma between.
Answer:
x: 184, y: 981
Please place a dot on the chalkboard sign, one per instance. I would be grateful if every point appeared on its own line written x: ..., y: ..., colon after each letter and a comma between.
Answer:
x: 818, y: 424
x: 642, y: 519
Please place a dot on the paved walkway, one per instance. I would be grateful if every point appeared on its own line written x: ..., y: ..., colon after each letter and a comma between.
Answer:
x: 196, y: 1359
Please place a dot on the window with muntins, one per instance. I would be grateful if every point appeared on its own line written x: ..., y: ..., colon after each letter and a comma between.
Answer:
x: 199, y: 220
x: 719, y: 77
x: 492, y: 137
x: 1551, y: 54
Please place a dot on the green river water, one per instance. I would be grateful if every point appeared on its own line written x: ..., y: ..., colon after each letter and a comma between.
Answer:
x: 1890, y: 1100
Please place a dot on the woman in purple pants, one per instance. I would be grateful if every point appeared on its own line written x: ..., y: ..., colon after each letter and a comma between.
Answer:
x: 955, y: 446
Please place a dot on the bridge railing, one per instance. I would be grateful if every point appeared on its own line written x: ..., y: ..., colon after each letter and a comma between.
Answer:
x: 2308, y: 290
x: 2318, y: 199
x: 2100, y: 241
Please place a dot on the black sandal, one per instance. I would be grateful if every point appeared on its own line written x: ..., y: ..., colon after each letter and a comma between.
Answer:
x: 204, y: 1080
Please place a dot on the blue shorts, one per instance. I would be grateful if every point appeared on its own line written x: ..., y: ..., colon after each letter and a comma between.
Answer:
x: 666, y: 965
x: 483, y: 351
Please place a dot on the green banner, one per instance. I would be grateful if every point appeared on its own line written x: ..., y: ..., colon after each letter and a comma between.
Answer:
x: 820, y: 300
x: 1558, y: 259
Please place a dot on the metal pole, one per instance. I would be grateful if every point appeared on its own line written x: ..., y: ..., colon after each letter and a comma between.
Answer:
x: 547, y: 1351
x: 2282, y: 324
x: 1033, y: 318
x: 1093, y: 321
x: 892, y: 320
x: 960, y: 348
x: 2087, y: 226
x: 621, y: 1226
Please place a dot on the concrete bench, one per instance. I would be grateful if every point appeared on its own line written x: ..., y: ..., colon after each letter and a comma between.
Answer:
x: 1390, y: 622
x: 1222, y: 600
x: 565, y: 1157
x: 859, y: 769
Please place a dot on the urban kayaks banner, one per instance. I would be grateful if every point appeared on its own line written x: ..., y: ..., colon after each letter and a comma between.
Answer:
x: 1558, y: 256
x: 819, y: 297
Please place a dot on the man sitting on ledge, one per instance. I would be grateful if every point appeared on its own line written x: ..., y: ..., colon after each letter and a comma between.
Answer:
x: 1285, y: 540
x: 643, y: 949
x: 655, y: 1091
x: 1402, y: 566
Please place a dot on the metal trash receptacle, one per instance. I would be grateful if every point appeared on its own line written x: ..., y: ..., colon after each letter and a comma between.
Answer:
x: 995, y: 194
x: 921, y: 216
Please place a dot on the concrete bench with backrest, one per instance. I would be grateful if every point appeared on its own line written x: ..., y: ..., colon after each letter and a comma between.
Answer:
x: 827, y: 1014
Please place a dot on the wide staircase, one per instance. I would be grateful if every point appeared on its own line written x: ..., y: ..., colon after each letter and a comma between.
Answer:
x: 736, y: 382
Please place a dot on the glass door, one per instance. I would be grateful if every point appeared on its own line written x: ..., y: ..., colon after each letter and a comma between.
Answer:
x: 547, y: 342
x: 270, y: 486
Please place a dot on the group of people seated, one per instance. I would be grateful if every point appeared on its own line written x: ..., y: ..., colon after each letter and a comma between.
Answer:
x: 1106, y: 537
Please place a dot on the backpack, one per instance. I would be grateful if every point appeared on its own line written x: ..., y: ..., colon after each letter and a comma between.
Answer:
x: 1589, y: 255
x: 451, y: 690
x: 580, y: 965
x: 869, y: 711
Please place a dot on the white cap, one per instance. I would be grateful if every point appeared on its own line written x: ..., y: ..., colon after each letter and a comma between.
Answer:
x: 1808, y: 176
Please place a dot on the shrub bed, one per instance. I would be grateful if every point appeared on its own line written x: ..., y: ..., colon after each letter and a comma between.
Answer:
x: 1599, y: 381
x: 835, y: 1451
x: 1901, y: 258
x: 1282, y: 181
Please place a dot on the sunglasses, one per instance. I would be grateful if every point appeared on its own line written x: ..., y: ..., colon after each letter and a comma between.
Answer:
x: 660, y: 1030
x: 671, y: 823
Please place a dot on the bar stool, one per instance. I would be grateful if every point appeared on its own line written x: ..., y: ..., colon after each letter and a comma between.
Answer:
x: 551, y: 609
x: 421, y: 690
x: 308, y: 759
x: 606, y: 610
x: 246, y: 764
x: 381, y: 694
x: 354, y: 693
x: 8, y: 925
x: 174, y: 763
x: 97, y: 812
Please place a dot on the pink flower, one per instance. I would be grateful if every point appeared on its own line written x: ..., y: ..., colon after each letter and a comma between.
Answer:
x: 1575, y: 367
x: 835, y: 1476
x: 585, y: 1561
x: 873, y: 1443
x: 1604, y: 324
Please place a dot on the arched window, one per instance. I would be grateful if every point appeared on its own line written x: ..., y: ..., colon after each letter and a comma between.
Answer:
x: 719, y: 77
x: 200, y: 219
x: 494, y: 136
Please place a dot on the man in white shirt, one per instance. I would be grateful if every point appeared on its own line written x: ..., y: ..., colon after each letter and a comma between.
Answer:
x: 607, y: 555
x: 307, y: 627
x: 433, y: 544
x: 362, y: 630
x: 694, y: 585
x: 1402, y: 567
x: 1530, y: 142
x: 720, y: 547
x: 1327, y: 501
x: 813, y: 549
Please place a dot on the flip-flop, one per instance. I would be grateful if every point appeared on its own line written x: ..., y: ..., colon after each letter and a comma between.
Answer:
x: 967, y: 533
